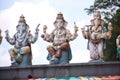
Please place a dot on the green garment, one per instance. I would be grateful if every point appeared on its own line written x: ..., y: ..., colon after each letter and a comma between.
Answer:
x: 118, y: 50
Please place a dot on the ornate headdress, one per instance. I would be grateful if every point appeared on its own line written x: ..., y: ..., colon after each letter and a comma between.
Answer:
x: 22, y: 19
x: 60, y: 16
x: 97, y: 12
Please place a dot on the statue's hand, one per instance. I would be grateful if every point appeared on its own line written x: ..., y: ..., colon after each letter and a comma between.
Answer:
x: 42, y: 35
x: 37, y: 29
x: 110, y: 27
x: 44, y: 28
x: 7, y: 32
x: 76, y: 28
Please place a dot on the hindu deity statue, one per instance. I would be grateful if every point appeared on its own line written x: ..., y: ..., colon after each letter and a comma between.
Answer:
x: 96, y: 34
x: 118, y: 47
x: 59, y: 52
x: 21, y: 54
x: 0, y: 36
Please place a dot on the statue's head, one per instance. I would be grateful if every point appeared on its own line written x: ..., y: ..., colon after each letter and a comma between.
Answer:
x: 22, y: 26
x: 97, y: 15
x: 60, y: 22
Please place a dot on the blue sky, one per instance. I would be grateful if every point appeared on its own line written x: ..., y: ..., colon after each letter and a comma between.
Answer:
x: 44, y: 12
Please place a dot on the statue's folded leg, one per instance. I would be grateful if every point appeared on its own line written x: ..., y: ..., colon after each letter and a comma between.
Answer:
x: 51, y: 51
x: 13, y: 56
x: 16, y: 54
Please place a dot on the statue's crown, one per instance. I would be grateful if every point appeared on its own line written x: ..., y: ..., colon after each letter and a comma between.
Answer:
x: 22, y: 19
x: 97, y: 12
x: 60, y: 16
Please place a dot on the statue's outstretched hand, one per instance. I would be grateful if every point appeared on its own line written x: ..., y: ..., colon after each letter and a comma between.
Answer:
x: 75, y: 28
x: 7, y: 32
x: 37, y: 29
x: 44, y: 28
x: 110, y: 27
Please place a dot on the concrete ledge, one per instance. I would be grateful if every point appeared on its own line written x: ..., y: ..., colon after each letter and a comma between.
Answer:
x: 61, y: 70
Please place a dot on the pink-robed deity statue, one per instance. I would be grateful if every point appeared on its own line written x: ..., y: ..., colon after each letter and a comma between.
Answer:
x: 59, y: 51
x: 21, y: 54
x: 0, y: 36
x: 96, y: 34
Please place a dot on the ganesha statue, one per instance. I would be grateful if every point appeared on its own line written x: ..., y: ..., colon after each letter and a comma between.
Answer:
x: 118, y: 47
x: 59, y: 52
x: 21, y: 54
x: 97, y: 33
x: 0, y: 36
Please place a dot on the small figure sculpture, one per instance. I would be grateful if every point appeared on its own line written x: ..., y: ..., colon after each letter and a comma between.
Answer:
x: 118, y: 47
x: 59, y: 51
x: 96, y: 34
x: 0, y: 36
x: 21, y: 54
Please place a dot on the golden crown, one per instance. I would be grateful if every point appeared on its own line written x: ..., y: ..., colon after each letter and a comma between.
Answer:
x: 22, y: 19
x: 60, y: 16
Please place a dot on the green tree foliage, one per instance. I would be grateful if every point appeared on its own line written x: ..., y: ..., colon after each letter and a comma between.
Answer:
x: 110, y: 9
x: 107, y: 7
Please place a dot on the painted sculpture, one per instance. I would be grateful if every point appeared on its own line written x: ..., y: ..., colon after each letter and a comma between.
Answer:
x: 21, y: 54
x: 59, y: 52
x: 118, y: 47
x: 0, y: 36
x: 96, y: 34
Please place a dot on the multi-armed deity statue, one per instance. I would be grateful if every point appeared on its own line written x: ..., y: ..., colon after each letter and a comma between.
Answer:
x: 96, y: 34
x: 118, y: 47
x: 59, y: 51
x: 0, y: 36
x: 21, y: 54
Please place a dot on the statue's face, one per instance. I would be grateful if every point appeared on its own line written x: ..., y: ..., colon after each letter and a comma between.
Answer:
x: 21, y: 26
x: 59, y: 23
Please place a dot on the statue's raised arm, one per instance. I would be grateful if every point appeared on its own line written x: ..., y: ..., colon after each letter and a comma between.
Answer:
x: 73, y: 36
x: 97, y: 33
x: 33, y: 39
x: 21, y: 54
x: 47, y: 37
x: 9, y: 39
x: 59, y: 51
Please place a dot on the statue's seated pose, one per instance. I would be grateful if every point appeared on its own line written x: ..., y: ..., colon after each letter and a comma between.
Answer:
x: 118, y: 47
x: 21, y: 54
x: 59, y: 51
x: 96, y: 34
x: 0, y: 36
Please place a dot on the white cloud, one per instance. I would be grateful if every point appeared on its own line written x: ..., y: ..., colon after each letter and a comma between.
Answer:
x: 41, y: 13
